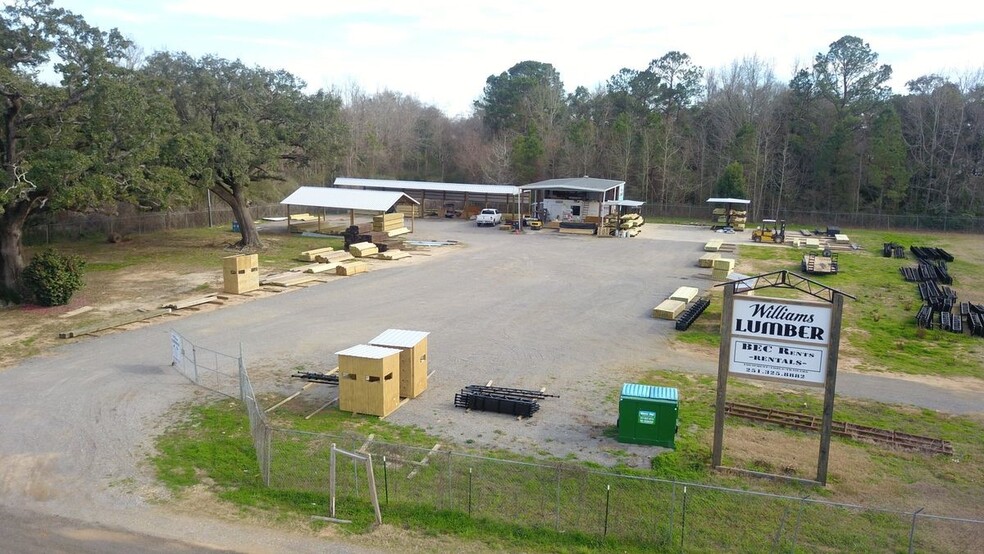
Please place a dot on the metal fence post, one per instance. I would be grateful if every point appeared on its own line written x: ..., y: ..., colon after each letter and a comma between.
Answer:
x: 672, y: 507
x: 683, y: 518
x: 450, y: 492
x: 912, y: 531
x: 194, y: 361
x: 608, y: 499
x: 469, y: 490
x: 386, y: 486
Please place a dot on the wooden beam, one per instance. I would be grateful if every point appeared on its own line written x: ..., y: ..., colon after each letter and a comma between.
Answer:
x: 117, y: 322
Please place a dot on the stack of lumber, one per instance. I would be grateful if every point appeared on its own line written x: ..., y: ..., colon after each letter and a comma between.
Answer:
x: 707, y: 260
x: 317, y: 267
x: 288, y: 279
x: 713, y: 245
x: 393, y: 255
x: 669, y: 309
x: 330, y: 257
x: 351, y: 268
x: 387, y: 222
x: 685, y: 294
x: 363, y: 249
x: 631, y: 223
x: 312, y: 255
x: 721, y: 268
x: 842, y: 239
x: 411, y: 210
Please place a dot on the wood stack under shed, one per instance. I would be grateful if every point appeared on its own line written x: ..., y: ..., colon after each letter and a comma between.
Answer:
x: 391, y: 224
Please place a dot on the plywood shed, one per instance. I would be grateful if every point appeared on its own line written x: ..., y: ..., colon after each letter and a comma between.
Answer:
x: 669, y: 309
x: 241, y: 273
x: 413, y: 358
x: 368, y: 380
x: 685, y: 294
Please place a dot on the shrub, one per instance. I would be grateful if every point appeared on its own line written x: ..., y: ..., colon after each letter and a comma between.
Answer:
x: 52, y: 278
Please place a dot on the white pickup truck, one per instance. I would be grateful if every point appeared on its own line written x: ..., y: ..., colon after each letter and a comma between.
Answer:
x: 489, y: 216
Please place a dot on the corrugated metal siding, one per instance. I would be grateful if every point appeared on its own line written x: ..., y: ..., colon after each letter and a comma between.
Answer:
x: 368, y: 351
x: 348, y: 199
x: 590, y: 184
x: 399, y: 338
x: 634, y: 390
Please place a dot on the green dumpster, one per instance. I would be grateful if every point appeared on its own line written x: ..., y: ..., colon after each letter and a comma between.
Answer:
x: 647, y: 415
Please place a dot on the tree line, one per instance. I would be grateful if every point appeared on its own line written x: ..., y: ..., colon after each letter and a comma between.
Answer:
x: 156, y: 131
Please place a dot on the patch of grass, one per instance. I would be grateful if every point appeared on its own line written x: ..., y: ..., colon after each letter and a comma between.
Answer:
x: 213, y: 448
x: 879, y: 329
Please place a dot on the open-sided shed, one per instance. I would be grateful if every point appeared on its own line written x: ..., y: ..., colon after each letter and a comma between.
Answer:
x: 458, y: 194
x: 370, y: 201
x: 574, y: 198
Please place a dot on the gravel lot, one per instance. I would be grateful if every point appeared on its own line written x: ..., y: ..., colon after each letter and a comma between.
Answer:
x: 566, y: 312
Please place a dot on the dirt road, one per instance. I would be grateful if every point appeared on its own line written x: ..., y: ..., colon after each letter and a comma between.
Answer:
x: 569, y: 313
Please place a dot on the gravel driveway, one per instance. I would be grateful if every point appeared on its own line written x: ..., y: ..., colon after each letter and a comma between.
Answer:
x: 566, y: 312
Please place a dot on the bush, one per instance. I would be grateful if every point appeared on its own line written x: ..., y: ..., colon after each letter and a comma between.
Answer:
x: 52, y: 278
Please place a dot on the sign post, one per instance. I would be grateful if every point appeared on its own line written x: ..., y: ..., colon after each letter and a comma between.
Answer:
x: 773, y: 339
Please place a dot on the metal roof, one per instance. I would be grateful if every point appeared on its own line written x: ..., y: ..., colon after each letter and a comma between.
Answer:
x: 368, y: 351
x: 633, y: 390
x: 422, y: 185
x: 589, y: 184
x: 348, y: 199
x: 626, y: 203
x: 728, y: 201
x: 399, y: 338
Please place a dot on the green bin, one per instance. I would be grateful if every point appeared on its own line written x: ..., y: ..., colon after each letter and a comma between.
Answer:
x: 648, y: 415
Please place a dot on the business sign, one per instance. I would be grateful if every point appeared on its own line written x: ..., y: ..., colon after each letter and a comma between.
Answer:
x: 781, y: 340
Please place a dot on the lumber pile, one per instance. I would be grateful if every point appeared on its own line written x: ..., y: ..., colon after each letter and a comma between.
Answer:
x: 713, y: 245
x: 631, y: 221
x: 388, y: 222
x: 669, y: 309
x: 331, y: 257
x: 312, y: 255
x: 707, y: 260
x: 685, y: 294
x: 397, y: 232
x: 189, y: 302
x: 393, y: 255
x: 289, y: 279
x: 351, y: 268
x: 721, y: 268
x: 115, y: 322
x: 363, y: 249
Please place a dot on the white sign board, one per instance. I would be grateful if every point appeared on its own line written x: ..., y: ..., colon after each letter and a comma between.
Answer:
x: 176, y: 354
x: 780, y: 340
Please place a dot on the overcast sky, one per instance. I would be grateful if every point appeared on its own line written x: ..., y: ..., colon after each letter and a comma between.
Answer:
x: 441, y: 52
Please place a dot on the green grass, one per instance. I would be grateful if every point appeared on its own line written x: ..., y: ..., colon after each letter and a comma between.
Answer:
x: 513, y: 507
x: 879, y: 329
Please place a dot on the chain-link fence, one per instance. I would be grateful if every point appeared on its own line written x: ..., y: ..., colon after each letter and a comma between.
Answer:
x: 572, y: 499
x: 73, y: 226
x: 821, y: 220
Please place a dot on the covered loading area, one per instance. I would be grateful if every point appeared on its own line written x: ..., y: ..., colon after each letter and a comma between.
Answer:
x: 729, y: 213
x: 435, y: 198
x: 365, y: 201
x: 579, y: 199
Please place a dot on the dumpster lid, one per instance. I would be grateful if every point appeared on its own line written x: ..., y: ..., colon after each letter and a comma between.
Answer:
x: 651, y: 392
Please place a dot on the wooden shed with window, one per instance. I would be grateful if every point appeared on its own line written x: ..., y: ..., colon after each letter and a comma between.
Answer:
x: 369, y: 380
x: 413, y: 358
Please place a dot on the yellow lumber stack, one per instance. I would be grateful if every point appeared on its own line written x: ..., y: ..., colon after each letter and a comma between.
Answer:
x: 713, y: 245
x: 397, y: 232
x: 311, y: 255
x: 685, y: 294
x: 707, y: 260
x: 393, y: 255
x: 723, y: 263
x: 351, y: 268
x: 363, y: 249
x: 387, y: 222
x: 669, y: 309
x: 329, y: 257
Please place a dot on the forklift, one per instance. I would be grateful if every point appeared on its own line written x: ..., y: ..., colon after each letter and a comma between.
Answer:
x: 777, y: 233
